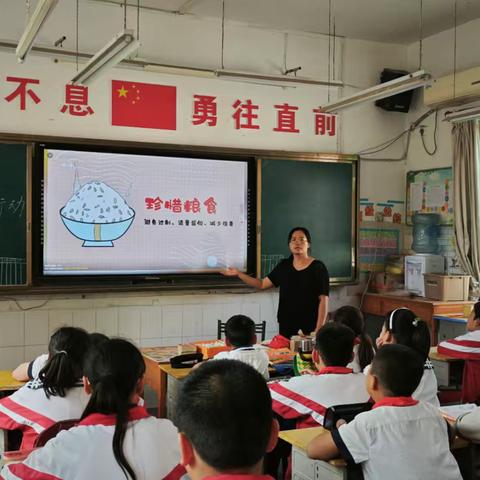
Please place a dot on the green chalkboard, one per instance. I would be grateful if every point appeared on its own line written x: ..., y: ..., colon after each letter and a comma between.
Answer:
x: 13, y: 230
x: 319, y: 195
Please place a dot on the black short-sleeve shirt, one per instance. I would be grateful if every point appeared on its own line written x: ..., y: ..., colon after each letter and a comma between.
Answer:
x: 299, y: 295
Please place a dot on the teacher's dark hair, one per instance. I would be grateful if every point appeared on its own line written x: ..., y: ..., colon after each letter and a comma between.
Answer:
x: 302, y: 229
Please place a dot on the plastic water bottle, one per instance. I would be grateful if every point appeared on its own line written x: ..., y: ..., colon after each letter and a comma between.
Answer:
x: 425, y: 232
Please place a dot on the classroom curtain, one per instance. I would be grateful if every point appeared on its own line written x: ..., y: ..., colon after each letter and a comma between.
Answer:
x: 466, y: 175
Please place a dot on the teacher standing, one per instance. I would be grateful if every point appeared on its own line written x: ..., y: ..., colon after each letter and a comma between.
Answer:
x: 304, y: 286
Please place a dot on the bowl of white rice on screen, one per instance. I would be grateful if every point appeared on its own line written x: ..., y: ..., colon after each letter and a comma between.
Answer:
x: 97, y: 214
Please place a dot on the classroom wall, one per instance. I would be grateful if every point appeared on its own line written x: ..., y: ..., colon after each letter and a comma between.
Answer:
x: 438, y: 59
x: 154, y: 319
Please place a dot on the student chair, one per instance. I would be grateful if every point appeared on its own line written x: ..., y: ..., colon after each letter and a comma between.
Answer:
x: 53, y: 430
x: 260, y: 328
x: 471, y: 382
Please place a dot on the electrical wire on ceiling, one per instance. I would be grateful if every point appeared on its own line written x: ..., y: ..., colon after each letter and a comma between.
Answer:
x: 76, y: 35
x: 329, y: 47
x: 138, y: 20
x: 422, y: 136
x: 364, y: 154
x: 27, y: 11
x: 223, y: 32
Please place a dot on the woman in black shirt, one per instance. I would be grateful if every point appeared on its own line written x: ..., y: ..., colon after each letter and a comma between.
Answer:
x: 304, y: 286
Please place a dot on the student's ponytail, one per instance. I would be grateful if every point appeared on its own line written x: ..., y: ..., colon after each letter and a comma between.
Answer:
x: 352, y: 317
x: 113, y: 370
x: 64, y: 368
x: 365, y: 350
x: 407, y: 329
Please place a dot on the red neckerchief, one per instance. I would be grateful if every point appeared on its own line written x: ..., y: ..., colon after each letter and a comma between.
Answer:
x: 238, y: 476
x: 357, y: 341
x: 337, y: 370
x: 396, y: 402
x: 135, y: 413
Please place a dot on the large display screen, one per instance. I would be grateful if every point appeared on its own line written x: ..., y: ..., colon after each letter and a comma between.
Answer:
x: 123, y: 214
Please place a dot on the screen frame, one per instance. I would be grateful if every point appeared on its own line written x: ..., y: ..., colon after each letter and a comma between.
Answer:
x: 187, y: 280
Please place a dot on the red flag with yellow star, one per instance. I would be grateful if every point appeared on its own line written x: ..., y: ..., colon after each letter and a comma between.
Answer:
x: 146, y: 105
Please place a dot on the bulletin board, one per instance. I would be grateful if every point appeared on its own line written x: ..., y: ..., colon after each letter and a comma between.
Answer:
x: 430, y: 191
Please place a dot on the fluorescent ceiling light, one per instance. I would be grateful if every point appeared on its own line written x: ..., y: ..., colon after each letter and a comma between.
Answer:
x: 120, y: 47
x: 281, y: 80
x: 383, y: 90
x: 42, y: 11
x: 178, y: 70
x: 470, y: 112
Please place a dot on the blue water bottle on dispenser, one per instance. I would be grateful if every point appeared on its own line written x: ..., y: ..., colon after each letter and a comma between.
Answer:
x: 425, y: 232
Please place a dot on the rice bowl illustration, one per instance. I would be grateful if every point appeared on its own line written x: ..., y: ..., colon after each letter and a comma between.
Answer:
x: 97, y: 214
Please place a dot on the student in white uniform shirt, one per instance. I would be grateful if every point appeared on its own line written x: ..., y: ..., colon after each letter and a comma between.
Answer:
x: 55, y: 393
x: 115, y: 439
x: 363, y: 351
x: 306, y: 398
x: 240, y: 334
x: 403, y: 327
x: 400, y: 438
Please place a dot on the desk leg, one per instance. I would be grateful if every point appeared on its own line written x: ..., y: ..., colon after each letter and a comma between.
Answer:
x: 157, y: 380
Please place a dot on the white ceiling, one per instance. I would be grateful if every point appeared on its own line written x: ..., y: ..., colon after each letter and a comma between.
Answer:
x: 392, y: 21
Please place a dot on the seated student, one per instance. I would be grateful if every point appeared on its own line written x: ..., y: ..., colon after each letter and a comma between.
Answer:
x: 465, y: 346
x: 402, y: 326
x: 30, y: 370
x: 55, y: 394
x: 306, y: 398
x: 473, y: 322
x: 116, y: 439
x: 224, y: 415
x: 363, y: 351
x: 240, y: 334
x: 400, y: 438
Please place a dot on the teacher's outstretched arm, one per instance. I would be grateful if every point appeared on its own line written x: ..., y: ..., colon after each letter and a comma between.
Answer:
x: 261, y: 284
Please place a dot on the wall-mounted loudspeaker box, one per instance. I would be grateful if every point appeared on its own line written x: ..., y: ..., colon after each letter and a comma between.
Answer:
x: 396, y: 103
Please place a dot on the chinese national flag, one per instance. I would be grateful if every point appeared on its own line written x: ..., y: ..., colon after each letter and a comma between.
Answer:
x: 145, y: 105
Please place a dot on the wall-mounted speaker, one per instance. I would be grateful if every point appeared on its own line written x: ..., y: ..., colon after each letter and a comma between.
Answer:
x: 396, y: 103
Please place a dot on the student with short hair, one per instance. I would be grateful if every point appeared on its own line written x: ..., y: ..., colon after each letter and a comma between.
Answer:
x: 55, y: 393
x: 115, y: 439
x: 240, y: 335
x: 400, y: 437
x: 224, y: 415
x: 306, y: 398
x: 363, y: 351
x: 403, y: 327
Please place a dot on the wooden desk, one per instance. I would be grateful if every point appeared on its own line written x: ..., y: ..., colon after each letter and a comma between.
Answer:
x: 8, y: 383
x: 448, y: 370
x: 304, y: 468
x: 381, y: 304
x: 164, y: 380
x: 156, y: 375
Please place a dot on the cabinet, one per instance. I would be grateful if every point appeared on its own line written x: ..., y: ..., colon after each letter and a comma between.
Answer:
x: 381, y: 304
